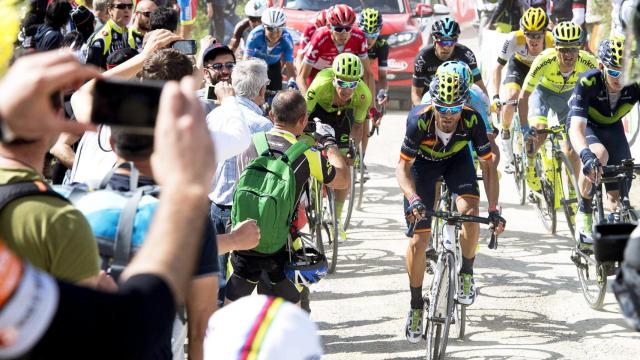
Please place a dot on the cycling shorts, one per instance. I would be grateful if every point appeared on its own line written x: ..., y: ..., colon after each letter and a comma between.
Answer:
x: 188, y: 11
x: 516, y: 72
x: 458, y: 172
x: 613, y: 139
x: 246, y: 272
x: 543, y: 100
x: 341, y: 124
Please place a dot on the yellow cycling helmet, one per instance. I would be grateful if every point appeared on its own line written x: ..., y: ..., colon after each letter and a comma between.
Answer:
x: 534, y: 19
x: 348, y: 66
x: 12, y: 11
x: 448, y: 88
x: 567, y: 34
x: 611, y: 51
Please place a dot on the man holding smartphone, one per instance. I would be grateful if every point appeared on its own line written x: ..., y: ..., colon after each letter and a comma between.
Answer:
x: 217, y: 62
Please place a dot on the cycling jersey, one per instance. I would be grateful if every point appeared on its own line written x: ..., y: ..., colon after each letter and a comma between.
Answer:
x: 591, y: 100
x: 477, y: 100
x: 321, y: 93
x: 426, y: 64
x: 105, y: 41
x: 188, y: 11
x: 422, y: 140
x: 516, y: 46
x: 321, y: 49
x: 307, y: 34
x: 545, y: 72
x: 516, y: 72
x: 257, y: 46
x: 135, y: 39
x: 380, y: 51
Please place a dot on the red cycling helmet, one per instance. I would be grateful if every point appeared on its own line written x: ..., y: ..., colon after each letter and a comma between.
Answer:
x: 341, y: 15
x: 321, y: 17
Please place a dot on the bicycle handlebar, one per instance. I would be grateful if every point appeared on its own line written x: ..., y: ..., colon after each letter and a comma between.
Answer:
x: 558, y: 129
x: 509, y: 102
x: 451, y: 216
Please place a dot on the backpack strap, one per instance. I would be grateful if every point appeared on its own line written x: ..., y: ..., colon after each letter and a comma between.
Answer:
x: 295, y: 151
x: 14, y: 191
x: 133, y: 176
x: 124, y: 234
x: 261, y: 143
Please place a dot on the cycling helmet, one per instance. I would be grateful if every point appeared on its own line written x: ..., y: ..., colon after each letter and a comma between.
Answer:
x: 274, y: 17
x: 255, y: 8
x: 458, y: 67
x: 348, y: 66
x: 307, y: 266
x: 320, y: 19
x: 611, y: 51
x: 567, y: 34
x: 445, y: 28
x: 341, y: 15
x: 448, y: 88
x: 534, y: 19
x: 370, y: 21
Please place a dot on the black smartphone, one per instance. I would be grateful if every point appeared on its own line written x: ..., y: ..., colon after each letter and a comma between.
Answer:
x: 130, y: 104
x: 211, y: 93
x: 187, y: 47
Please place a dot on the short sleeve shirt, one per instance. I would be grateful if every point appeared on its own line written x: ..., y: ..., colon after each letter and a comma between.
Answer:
x: 257, y: 46
x: 515, y: 45
x: 321, y: 49
x: 321, y: 93
x: 545, y: 71
x: 426, y: 64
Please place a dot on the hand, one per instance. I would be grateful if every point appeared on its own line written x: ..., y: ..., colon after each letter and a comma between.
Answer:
x: 183, y: 152
x: 590, y: 164
x: 224, y: 89
x: 497, y: 222
x: 156, y: 40
x: 106, y: 283
x: 26, y: 90
x: 209, y: 11
x: 291, y: 84
x: 416, y: 211
x: 205, y: 42
x: 246, y: 235
x: 375, y: 116
x: 324, y: 134
x: 496, y: 104
x: 382, y: 97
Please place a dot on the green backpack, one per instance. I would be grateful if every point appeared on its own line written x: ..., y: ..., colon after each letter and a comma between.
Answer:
x: 266, y: 192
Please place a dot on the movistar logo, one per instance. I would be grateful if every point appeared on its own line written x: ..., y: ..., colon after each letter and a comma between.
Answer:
x: 587, y: 82
x: 471, y: 121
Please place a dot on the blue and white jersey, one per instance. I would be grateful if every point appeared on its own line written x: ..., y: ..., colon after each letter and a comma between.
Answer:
x: 257, y: 46
x: 477, y: 100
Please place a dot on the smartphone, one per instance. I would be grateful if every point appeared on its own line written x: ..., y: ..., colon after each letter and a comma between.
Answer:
x: 187, y: 47
x: 211, y: 93
x: 129, y: 104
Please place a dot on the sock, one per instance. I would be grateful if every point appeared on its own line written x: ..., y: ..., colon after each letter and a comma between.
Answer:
x: 585, y: 205
x: 467, y: 265
x: 416, y: 297
x: 339, y: 206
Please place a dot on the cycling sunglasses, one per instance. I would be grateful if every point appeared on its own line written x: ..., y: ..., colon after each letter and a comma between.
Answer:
x: 341, y: 29
x: 446, y: 42
x: 568, y: 51
x: 345, y: 84
x: 122, y: 6
x: 372, y: 35
x: 448, y: 109
x: 613, y: 73
x: 218, y: 66
x: 273, y: 28
x: 534, y: 35
x: 145, y: 13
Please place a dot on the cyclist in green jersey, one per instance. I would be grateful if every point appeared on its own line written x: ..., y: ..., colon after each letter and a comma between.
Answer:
x: 548, y: 86
x: 339, y: 97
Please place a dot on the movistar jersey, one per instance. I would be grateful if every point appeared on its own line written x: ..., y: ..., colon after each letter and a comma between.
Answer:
x: 516, y: 46
x: 257, y: 46
x: 421, y: 139
x: 380, y: 51
x: 591, y: 99
x: 105, y: 41
x: 321, y: 93
x: 545, y: 71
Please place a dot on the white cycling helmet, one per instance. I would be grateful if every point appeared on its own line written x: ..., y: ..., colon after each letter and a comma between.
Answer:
x: 255, y: 8
x: 274, y: 17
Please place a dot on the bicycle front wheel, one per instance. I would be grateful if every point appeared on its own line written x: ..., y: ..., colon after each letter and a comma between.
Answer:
x: 545, y: 201
x: 349, y: 201
x: 568, y: 196
x: 519, y: 157
x: 593, y: 278
x: 330, y: 228
x: 361, y: 180
x: 441, y: 308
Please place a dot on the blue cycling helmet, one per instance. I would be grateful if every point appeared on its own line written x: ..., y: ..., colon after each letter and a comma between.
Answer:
x: 307, y: 266
x: 459, y: 67
x: 445, y: 28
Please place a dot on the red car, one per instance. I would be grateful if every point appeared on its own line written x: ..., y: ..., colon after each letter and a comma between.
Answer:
x: 399, y: 29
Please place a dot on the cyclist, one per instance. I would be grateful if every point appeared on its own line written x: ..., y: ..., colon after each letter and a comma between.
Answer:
x: 112, y: 36
x: 320, y: 20
x: 445, y: 34
x: 339, y: 97
x: 339, y: 37
x: 519, y: 50
x: 272, y: 43
x: 599, y: 102
x: 253, y: 10
x: 548, y: 85
x: 435, y: 145
x: 478, y: 101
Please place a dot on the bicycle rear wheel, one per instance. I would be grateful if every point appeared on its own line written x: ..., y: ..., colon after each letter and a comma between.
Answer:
x: 544, y: 200
x: 519, y: 157
x: 328, y: 229
x: 568, y: 197
x: 441, y: 308
x: 361, y: 180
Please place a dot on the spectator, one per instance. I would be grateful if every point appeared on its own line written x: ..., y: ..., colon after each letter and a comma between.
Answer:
x: 217, y: 64
x: 49, y: 35
x: 141, y: 23
x: 29, y: 29
x: 84, y: 22
x: 77, y: 321
x: 215, y: 14
x: 101, y: 12
x: 164, y: 18
x: 113, y: 35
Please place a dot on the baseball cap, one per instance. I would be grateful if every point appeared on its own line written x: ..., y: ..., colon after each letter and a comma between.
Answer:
x: 28, y: 302
x: 213, y: 51
x: 261, y: 327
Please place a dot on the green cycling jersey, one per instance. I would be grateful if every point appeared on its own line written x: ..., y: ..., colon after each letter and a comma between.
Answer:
x: 321, y: 93
x: 545, y: 71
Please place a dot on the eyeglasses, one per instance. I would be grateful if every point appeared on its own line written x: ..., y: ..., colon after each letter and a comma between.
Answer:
x: 122, y: 6
x: 218, y: 66
x: 534, y: 35
x: 345, y: 84
x: 568, y: 51
x: 255, y: 19
x: 145, y: 13
x: 613, y: 73
x: 372, y: 35
x: 341, y: 29
x: 446, y: 42
x: 273, y: 28
x: 448, y: 109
